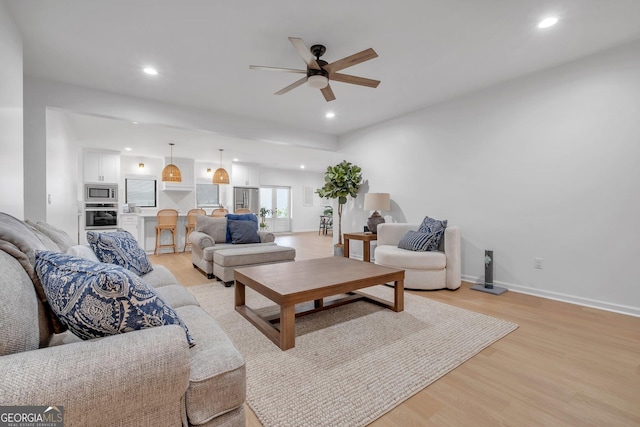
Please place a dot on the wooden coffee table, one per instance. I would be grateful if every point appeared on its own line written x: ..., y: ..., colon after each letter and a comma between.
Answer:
x: 291, y: 283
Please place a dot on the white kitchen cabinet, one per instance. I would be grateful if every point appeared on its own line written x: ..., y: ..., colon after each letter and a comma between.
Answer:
x: 131, y: 223
x: 101, y: 167
x: 187, y: 171
x: 245, y: 175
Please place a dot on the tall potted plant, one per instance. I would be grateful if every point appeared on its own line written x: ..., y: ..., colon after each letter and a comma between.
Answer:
x: 341, y: 181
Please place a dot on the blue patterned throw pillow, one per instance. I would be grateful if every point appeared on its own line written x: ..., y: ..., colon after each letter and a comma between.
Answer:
x: 120, y: 248
x: 416, y: 241
x: 97, y: 299
x: 434, y: 227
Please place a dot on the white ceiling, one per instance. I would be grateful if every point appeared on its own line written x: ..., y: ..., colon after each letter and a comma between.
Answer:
x: 151, y: 141
x: 429, y: 50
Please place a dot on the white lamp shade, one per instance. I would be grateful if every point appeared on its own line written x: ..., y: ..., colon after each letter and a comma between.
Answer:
x: 377, y: 202
x: 318, y: 82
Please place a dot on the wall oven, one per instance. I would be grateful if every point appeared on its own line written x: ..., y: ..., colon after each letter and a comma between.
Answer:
x: 99, y: 216
x: 101, y: 193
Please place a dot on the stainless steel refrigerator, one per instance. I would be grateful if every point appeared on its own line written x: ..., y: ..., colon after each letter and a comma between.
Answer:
x: 246, y: 197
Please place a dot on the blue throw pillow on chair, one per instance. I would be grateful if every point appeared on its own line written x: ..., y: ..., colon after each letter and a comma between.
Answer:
x: 240, y: 217
x: 416, y: 241
x: 98, y: 299
x: 120, y: 248
x: 434, y: 227
x: 243, y: 232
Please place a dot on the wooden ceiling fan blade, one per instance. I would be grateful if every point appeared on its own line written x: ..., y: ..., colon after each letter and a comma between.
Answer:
x: 286, y: 70
x: 362, y: 81
x: 351, y: 60
x: 292, y: 86
x: 328, y: 93
x: 304, y: 52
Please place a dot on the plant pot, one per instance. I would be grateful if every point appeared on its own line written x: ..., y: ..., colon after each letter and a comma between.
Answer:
x: 338, y: 250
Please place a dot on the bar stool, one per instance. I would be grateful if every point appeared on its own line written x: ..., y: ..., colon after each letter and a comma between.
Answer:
x: 219, y: 212
x: 191, y: 225
x: 167, y: 220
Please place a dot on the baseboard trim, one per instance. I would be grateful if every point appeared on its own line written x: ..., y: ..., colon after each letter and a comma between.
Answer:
x: 571, y: 299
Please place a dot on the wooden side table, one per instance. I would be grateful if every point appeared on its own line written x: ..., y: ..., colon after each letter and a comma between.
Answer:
x: 366, y: 238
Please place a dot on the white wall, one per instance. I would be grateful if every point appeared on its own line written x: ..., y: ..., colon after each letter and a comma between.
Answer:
x: 63, y: 170
x: 543, y: 166
x: 11, y: 122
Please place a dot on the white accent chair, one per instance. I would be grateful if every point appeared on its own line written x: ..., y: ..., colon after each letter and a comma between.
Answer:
x: 423, y: 270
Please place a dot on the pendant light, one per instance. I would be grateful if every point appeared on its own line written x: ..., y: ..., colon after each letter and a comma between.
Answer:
x: 171, y: 173
x: 220, y: 176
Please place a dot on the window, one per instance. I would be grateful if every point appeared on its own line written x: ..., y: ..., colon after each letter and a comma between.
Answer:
x: 207, y: 195
x: 140, y: 191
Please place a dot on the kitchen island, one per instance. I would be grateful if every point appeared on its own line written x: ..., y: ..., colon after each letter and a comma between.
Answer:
x: 143, y: 227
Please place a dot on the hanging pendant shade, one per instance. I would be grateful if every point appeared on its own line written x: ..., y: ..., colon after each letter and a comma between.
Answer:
x: 220, y: 176
x: 171, y: 173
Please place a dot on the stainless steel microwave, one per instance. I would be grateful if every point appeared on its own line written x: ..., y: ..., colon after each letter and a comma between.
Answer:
x: 101, y: 193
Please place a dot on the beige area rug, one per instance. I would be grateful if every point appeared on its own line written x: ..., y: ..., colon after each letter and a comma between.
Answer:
x: 353, y: 363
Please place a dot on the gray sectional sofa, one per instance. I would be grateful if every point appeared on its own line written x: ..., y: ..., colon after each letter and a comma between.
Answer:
x: 145, y: 377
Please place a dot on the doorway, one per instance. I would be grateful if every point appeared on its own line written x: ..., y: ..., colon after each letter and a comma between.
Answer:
x: 278, y: 201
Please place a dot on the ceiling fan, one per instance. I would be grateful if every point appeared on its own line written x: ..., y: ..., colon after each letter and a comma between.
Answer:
x: 319, y: 72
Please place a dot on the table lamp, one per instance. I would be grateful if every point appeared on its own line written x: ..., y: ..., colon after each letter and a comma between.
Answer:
x: 376, y: 202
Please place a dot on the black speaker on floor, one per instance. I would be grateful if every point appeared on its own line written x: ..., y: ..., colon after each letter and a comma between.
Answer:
x: 487, y: 285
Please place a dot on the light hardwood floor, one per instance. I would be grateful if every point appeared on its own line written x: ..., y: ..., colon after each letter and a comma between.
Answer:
x: 565, y: 365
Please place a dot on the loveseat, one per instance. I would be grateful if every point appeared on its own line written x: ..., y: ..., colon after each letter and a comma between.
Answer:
x: 212, y: 234
x: 439, y: 269
x: 149, y: 376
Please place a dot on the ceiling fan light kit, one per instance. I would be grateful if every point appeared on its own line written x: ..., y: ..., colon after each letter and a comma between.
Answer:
x: 317, y: 81
x: 319, y: 72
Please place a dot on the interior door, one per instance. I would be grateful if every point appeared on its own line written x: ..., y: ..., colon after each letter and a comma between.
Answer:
x: 278, y: 200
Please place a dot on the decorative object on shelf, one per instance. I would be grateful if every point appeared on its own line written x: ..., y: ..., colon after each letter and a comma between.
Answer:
x: 263, y: 214
x: 487, y: 285
x: 208, y: 171
x: 220, y: 176
x: 140, y: 165
x: 375, y: 202
x: 171, y: 173
x: 341, y: 181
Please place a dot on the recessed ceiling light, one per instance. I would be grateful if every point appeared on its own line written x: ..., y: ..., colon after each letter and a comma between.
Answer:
x: 135, y: 123
x: 128, y: 149
x: 548, y: 22
x: 330, y: 115
x: 235, y: 160
x: 301, y: 166
x: 150, y: 70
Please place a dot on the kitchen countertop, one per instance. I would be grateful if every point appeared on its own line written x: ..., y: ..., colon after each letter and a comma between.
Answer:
x: 154, y: 215
x: 150, y: 214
